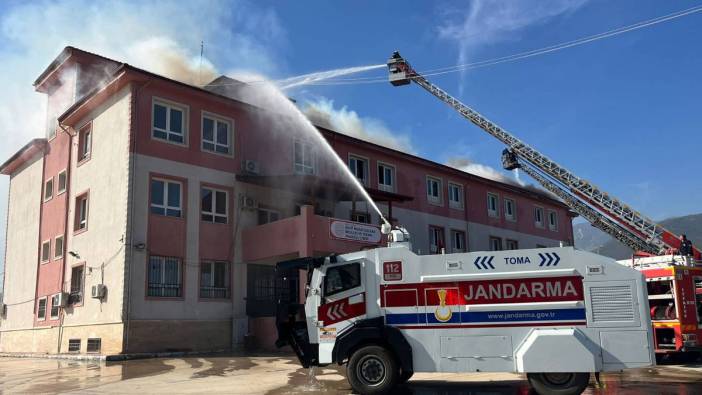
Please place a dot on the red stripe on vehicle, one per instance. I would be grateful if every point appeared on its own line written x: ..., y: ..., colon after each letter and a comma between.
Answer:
x: 341, y: 310
x: 524, y: 290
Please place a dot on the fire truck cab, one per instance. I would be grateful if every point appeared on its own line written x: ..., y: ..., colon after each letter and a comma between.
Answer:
x: 675, y: 298
x: 556, y: 314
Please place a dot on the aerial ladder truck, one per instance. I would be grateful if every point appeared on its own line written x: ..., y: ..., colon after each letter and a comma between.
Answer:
x: 674, y: 282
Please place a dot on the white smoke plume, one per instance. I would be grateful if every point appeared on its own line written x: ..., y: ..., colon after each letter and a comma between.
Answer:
x: 159, y: 36
x: 468, y: 166
x: 350, y: 123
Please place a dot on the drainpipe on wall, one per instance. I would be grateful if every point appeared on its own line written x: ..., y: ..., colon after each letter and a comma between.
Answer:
x: 237, y: 221
x: 67, y: 196
x: 129, y: 239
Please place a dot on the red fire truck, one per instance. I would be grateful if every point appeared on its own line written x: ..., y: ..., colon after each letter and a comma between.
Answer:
x: 675, y: 299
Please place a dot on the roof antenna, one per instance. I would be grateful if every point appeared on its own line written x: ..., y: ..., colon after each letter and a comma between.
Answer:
x: 199, y: 71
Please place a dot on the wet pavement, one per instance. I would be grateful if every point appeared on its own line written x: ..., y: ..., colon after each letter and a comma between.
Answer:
x: 281, y: 374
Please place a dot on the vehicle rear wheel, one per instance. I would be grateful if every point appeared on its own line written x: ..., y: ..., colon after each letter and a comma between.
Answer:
x: 372, y: 370
x: 559, y: 383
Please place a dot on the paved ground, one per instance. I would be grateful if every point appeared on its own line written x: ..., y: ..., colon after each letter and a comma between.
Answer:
x: 276, y: 375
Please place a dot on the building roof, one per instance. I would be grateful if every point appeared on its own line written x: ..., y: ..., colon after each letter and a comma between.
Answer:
x: 213, y: 89
x: 61, y: 58
x: 23, y: 155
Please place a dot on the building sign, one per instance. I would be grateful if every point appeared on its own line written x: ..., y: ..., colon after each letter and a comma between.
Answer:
x: 354, y: 231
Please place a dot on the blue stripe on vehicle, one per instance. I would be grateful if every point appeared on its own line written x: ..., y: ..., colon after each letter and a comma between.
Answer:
x: 400, y: 319
x: 489, y: 316
x: 523, y: 315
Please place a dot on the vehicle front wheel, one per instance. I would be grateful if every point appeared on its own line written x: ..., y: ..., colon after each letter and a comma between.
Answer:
x: 372, y: 370
x: 559, y: 383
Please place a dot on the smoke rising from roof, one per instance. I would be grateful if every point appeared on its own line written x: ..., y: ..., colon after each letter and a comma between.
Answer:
x: 468, y: 166
x: 323, y: 113
x: 163, y: 37
x: 163, y: 56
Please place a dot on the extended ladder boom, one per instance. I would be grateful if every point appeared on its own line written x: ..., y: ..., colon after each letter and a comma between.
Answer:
x: 602, y: 210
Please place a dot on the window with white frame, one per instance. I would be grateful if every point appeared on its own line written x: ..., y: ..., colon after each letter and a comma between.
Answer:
x: 359, y: 168
x: 493, y: 205
x: 539, y: 217
x: 166, y: 198
x: 267, y: 215
x: 55, y: 306
x: 495, y: 244
x: 61, y: 188
x: 165, y: 278
x: 386, y: 177
x: 85, y: 143
x: 73, y: 345
x: 458, y: 241
x: 510, y: 209
x: 303, y: 158
x: 214, y: 280
x: 81, y: 220
x: 94, y: 344
x: 48, y: 189
x: 362, y: 217
x: 436, y: 239
x: 169, y: 122
x: 77, y: 283
x: 552, y: 220
x: 214, y: 205
x: 46, y: 251
x: 51, y: 128
x: 41, y: 309
x: 216, y: 134
x: 512, y: 244
x: 433, y: 190
x: 455, y: 193
x: 58, y: 247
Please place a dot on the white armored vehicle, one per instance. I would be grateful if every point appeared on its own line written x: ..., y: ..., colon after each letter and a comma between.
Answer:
x: 556, y: 314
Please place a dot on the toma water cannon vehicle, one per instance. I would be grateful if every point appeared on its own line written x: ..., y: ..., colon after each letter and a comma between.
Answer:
x: 556, y: 314
x: 674, y: 281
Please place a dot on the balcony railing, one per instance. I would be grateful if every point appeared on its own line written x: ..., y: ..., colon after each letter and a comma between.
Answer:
x: 161, y: 290
x: 214, y: 293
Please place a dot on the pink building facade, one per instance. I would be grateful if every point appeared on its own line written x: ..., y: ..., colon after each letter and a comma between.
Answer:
x: 151, y: 216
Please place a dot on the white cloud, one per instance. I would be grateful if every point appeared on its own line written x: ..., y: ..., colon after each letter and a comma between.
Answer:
x: 489, y: 21
x: 160, y: 36
x: 350, y: 123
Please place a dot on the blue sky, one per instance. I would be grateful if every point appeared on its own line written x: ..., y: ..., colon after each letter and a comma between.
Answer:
x: 622, y: 112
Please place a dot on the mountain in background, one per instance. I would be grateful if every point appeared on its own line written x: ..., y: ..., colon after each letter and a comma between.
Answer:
x: 592, y: 239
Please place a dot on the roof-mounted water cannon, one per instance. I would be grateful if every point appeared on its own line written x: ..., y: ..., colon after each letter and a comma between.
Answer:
x: 385, y: 228
x: 400, y: 237
x: 400, y: 70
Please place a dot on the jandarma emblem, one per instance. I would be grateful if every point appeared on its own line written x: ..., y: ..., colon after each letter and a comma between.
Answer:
x: 442, y: 313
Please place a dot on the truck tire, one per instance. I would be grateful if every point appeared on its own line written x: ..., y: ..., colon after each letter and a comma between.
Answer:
x: 559, y: 383
x: 372, y: 370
